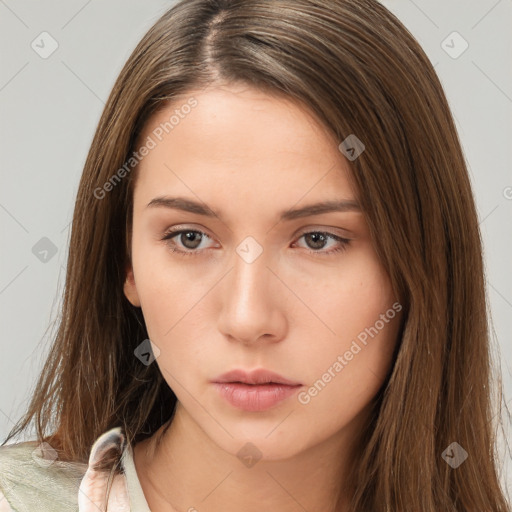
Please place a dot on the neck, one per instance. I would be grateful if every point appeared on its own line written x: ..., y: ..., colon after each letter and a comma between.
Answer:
x: 181, y: 468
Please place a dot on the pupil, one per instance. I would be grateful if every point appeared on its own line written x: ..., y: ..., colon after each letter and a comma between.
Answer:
x: 319, y: 236
x: 189, y: 237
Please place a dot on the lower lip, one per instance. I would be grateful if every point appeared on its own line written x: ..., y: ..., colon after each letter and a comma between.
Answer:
x: 257, y: 397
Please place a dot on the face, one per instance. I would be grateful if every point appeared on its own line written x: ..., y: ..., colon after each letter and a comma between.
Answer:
x: 242, y: 272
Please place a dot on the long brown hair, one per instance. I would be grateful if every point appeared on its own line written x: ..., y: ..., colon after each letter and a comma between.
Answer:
x: 360, y: 71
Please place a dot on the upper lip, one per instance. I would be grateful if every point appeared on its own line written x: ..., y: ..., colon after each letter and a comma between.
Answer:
x: 259, y: 376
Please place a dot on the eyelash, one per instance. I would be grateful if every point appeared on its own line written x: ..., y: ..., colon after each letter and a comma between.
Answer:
x: 170, y: 234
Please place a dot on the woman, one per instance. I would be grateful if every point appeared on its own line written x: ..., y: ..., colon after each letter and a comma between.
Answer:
x: 275, y: 292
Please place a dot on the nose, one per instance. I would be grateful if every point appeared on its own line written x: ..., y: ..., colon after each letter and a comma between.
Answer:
x: 252, y: 303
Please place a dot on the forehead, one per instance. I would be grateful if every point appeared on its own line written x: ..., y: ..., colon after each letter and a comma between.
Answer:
x: 237, y: 141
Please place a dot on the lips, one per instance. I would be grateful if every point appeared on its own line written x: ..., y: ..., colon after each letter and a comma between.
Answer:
x: 254, y: 391
x: 259, y: 376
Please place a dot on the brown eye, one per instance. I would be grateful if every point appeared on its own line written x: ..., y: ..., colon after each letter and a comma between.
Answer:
x: 190, y: 239
x: 185, y: 241
x: 317, y: 240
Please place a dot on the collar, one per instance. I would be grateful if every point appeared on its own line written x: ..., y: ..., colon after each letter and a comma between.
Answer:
x: 126, y: 492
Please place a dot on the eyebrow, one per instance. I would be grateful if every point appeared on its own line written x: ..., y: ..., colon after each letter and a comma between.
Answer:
x: 191, y: 206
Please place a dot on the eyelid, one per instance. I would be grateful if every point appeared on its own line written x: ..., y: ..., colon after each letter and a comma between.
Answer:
x: 342, y: 233
x: 176, y: 230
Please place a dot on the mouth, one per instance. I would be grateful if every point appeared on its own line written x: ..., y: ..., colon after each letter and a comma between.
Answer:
x: 255, y: 391
x: 260, y: 376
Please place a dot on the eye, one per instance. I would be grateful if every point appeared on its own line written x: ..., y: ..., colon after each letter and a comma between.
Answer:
x: 318, y: 240
x: 189, y: 239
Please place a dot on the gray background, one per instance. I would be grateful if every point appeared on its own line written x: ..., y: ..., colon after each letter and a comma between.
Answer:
x: 50, y: 107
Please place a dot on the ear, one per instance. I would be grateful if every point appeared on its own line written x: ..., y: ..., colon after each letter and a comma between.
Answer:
x: 130, y: 288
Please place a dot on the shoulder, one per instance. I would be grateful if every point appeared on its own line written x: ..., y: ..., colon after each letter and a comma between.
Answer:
x: 31, y: 478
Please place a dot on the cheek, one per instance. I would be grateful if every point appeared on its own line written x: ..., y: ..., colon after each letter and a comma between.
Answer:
x: 347, y: 366
x: 173, y: 308
x: 165, y: 291
x: 346, y: 376
x: 346, y: 297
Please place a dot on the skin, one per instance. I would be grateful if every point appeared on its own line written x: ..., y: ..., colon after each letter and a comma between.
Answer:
x: 293, y: 310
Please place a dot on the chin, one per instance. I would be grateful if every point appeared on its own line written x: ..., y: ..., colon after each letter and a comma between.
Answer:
x: 264, y: 441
